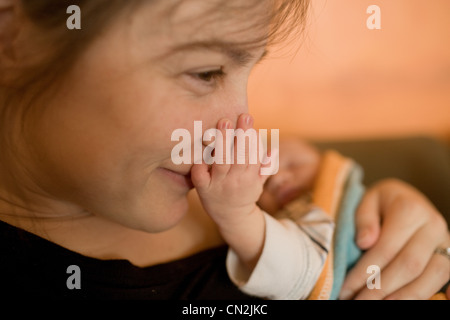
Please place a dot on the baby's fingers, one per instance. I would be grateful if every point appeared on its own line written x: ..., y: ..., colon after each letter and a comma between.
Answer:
x: 221, y: 166
x: 245, y: 144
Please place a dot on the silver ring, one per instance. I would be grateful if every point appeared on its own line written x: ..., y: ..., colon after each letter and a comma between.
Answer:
x: 443, y: 251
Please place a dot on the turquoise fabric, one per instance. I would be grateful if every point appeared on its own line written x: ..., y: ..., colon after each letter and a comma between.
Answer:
x: 346, y: 252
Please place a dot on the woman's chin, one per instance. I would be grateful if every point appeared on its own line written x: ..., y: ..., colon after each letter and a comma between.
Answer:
x: 167, y: 218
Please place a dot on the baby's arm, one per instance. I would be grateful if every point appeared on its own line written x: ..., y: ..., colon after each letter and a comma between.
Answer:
x: 229, y: 193
x: 269, y: 258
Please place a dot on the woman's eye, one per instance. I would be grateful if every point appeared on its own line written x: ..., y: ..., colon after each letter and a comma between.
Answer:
x: 209, y: 77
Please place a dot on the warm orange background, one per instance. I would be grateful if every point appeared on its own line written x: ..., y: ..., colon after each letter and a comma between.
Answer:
x: 349, y: 82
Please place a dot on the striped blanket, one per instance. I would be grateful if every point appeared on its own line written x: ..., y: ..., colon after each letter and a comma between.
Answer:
x: 338, y: 191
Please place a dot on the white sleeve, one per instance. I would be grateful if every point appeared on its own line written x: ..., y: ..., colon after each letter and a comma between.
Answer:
x: 288, y: 268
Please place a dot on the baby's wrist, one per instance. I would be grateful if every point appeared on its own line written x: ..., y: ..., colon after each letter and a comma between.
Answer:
x: 239, y: 220
x: 246, y: 238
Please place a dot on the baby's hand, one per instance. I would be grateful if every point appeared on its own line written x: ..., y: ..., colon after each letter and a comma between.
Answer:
x: 229, y: 191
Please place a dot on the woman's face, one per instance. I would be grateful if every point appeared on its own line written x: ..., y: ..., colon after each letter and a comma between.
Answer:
x: 103, y: 142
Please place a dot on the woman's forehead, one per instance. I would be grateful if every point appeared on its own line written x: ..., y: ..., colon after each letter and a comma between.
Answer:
x: 230, y: 21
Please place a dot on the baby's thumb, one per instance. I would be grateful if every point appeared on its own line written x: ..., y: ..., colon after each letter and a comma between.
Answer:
x: 200, y: 175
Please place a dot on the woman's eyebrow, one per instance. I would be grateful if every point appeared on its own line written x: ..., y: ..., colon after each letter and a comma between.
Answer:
x: 239, y: 56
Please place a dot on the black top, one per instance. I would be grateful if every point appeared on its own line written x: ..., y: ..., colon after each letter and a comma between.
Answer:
x: 31, y: 266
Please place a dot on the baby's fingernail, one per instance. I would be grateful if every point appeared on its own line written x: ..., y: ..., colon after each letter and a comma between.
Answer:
x: 226, y: 124
x: 248, y: 119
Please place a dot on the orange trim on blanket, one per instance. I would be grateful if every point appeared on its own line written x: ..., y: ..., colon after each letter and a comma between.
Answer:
x: 439, y: 296
x: 330, y: 181
x: 327, y: 194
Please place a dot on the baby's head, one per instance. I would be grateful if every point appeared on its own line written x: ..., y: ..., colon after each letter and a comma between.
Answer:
x: 299, y: 163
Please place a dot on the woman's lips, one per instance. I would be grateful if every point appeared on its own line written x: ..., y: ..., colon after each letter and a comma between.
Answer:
x: 183, y: 180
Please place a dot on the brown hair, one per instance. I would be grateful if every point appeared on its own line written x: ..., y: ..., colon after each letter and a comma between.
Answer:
x: 49, y: 18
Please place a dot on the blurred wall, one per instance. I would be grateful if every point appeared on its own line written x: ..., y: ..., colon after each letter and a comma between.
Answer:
x: 348, y: 82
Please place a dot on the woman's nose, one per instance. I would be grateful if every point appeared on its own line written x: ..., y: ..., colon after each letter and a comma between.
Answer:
x: 231, y: 107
